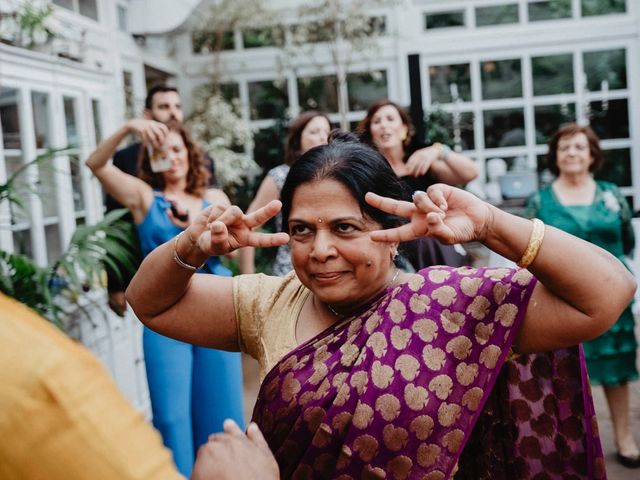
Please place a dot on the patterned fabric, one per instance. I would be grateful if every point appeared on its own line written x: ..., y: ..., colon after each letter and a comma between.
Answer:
x: 539, y: 423
x: 611, y: 358
x: 282, y: 262
x: 394, y: 392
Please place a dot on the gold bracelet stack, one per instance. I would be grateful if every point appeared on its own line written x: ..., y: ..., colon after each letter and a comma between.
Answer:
x: 177, y: 258
x: 535, y: 240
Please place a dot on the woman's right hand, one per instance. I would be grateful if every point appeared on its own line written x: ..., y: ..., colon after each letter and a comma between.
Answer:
x: 219, y: 230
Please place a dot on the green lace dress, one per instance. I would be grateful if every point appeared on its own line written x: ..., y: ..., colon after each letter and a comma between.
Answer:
x: 611, y: 358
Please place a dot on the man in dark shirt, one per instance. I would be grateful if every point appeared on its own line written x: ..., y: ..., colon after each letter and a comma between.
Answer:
x: 162, y: 104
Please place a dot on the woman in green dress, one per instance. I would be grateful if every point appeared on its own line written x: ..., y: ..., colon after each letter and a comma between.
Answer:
x: 595, y: 211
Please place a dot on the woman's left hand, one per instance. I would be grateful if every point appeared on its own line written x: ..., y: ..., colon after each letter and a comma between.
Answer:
x: 448, y: 214
x: 421, y: 160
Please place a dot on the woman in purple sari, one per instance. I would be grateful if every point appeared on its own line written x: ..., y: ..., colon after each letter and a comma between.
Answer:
x: 373, y: 373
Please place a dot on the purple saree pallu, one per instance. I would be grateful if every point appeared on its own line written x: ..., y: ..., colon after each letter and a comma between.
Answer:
x: 539, y: 423
x: 395, y: 391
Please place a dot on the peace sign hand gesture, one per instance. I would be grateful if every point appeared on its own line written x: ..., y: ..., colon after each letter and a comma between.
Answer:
x: 448, y: 214
x: 222, y: 229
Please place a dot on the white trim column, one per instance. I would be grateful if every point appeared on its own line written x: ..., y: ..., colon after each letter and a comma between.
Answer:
x: 62, y: 172
x: 27, y: 138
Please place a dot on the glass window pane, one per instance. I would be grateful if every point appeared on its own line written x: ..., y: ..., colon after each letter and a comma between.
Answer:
x: 54, y: 247
x: 230, y: 91
x: 549, y: 10
x: 18, y: 214
x: 76, y: 183
x: 504, y: 127
x: 444, y: 126
x: 312, y: 32
x: 206, y: 42
x: 514, y: 164
x: 365, y: 88
x: 552, y: 74
x: 268, y: 99
x: 40, y: 105
x: 97, y: 119
x: 263, y: 37
x: 501, y: 79
x: 88, y: 8
x: 10, y: 118
x: 318, y: 93
x: 548, y: 118
x: 64, y: 3
x: 610, y: 120
x: 268, y: 146
x: 497, y: 15
x: 443, y: 78
x: 609, y: 65
x: 22, y: 243
x: 453, y: 18
x: 602, y: 7
x: 129, y: 99
x: 122, y: 18
x: 616, y: 167
x: 70, y: 121
x: 47, y: 187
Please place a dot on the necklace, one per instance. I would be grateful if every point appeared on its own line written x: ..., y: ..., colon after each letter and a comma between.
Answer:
x: 341, y: 315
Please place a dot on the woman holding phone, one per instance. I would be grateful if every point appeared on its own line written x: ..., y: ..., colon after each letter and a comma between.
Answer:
x: 192, y: 389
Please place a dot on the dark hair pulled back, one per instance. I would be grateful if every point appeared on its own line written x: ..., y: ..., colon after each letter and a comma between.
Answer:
x: 346, y: 160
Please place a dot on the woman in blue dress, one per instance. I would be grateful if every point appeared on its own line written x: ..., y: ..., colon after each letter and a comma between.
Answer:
x: 192, y: 389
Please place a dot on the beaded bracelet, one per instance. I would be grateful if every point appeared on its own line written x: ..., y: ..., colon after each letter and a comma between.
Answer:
x: 177, y: 258
x: 535, y: 240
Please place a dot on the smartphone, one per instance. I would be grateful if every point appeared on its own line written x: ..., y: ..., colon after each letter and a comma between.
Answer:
x: 174, y: 210
x: 158, y: 159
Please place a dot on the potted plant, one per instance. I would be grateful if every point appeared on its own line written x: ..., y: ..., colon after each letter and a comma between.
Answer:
x: 65, y: 287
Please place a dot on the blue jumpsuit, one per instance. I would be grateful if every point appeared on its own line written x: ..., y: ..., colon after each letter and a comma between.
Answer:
x: 192, y: 389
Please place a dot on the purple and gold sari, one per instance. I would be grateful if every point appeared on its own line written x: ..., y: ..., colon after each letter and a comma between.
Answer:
x: 395, y: 391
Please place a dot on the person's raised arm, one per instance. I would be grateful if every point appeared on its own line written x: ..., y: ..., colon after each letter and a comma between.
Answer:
x: 443, y: 164
x: 171, y: 299
x: 582, y: 289
x: 267, y: 192
x: 124, y: 188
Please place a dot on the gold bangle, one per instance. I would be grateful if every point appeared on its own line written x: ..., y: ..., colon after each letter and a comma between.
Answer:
x: 177, y: 258
x: 535, y: 240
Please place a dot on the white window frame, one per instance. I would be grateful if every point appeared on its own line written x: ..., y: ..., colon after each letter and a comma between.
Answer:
x: 66, y: 216
x: 528, y: 101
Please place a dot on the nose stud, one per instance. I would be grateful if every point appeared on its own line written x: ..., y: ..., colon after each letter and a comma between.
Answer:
x: 319, y: 220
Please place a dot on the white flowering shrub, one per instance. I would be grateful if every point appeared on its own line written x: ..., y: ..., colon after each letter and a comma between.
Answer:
x: 221, y: 132
x: 28, y: 23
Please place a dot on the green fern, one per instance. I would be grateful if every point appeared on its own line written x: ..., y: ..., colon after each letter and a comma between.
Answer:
x: 55, y: 290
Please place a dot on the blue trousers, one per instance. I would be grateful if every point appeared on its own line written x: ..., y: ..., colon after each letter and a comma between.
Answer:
x: 193, y: 390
